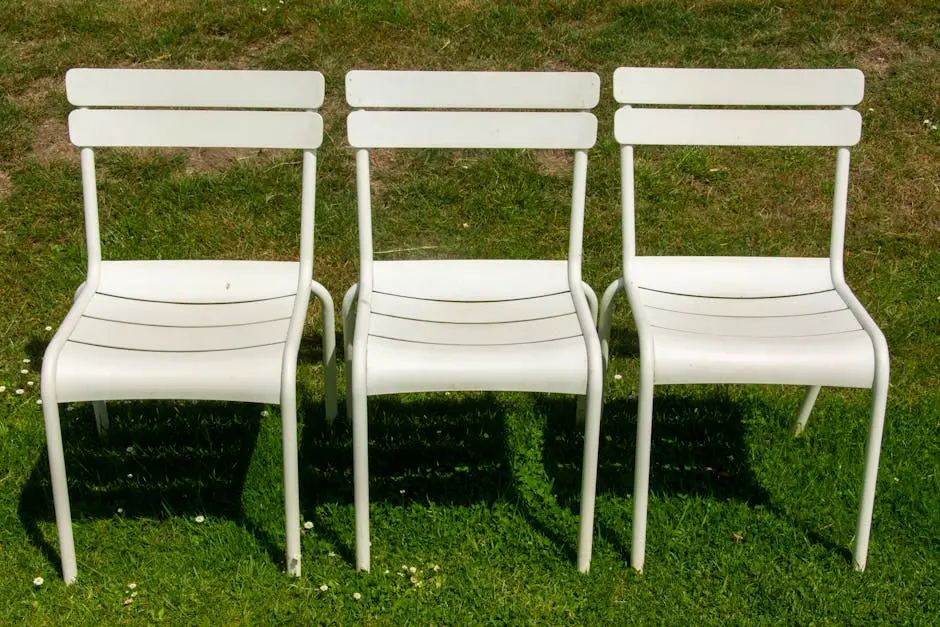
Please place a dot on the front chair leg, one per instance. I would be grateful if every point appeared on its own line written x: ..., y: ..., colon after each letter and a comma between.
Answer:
x: 806, y: 407
x: 60, y: 493
x: 101, y: 417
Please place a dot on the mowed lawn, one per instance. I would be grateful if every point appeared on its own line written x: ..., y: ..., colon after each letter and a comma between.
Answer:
x: 474, y: 496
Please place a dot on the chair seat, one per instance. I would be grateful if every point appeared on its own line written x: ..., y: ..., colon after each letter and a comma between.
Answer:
x: 207, y: 330
x: 750, y: 320
x: 498, y: 325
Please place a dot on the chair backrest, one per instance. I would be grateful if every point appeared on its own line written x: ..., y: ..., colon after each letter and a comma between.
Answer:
x: 194, y: 108
x: 797, y: 108
x: 534, y: 110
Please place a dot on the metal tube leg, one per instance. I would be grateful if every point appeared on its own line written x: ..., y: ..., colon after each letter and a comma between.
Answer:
x: 644, y: 432
x: 329, y: 348
x: 361, y: 465
x: 291, y: 482
x: 60, y: 494
x: 592, y: 433
x: 872, y: 455
x: 101, y: 417
x: 349, y: 325
x: 606, y: 317
x: 806, y: 407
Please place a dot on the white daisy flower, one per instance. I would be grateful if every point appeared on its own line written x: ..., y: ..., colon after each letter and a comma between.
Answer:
x: 200, y: 519
x: 29, y: 383
x: 38, y: 581
x: 129, y: 449
x: 120, y: 510
x: 48, y: 328
x: 24, y: 371
x: 618, y: 376
x: 308, y: 525
x: 131, y: 586
x: 39, y: 401
x: 26, y: 361
x: 357, y: 596
x: 3, y: 388
x: 324, y: 588
x: 20, y: 391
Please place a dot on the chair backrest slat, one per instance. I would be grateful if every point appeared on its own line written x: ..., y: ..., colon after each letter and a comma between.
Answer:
x: 236, y: 89
x: 471, y: 129
x: 194, y: 128
x: 686, y: 86
x: 472, y: 90
x: 735, y: 127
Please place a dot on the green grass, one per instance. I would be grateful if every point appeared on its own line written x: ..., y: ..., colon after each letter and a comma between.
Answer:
x: 747, y: 524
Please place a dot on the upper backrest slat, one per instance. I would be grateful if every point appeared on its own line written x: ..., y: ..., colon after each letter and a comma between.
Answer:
x: 472, y: 90
x: 472, y: 129
x: 188, y: 128
x: 237, y: 89
x: 686, y: 86
x: 737, y: 127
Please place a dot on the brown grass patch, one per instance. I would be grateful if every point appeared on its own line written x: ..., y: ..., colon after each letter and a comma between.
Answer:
x: 554, y: 162
x: 876, y: 54
x: 51, y: 142
x: 6, y: 185
x: 39, y: 92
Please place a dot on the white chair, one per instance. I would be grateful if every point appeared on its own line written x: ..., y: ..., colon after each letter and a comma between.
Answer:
x: 498, y: 325
x: 181, y: 329
x: 769, y: 320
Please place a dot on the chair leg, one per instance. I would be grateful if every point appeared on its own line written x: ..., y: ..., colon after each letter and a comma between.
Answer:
x: 60, y: 494
x: 329, y: 348
x: 360, y: 434
x: 641, y: 473
x: 349, y: 325
x: 872, y: 455
x: 291, y: 482
x: 606, y: 317
x: 592, y: 433
x: 101, y: 417
x: 806, y: 407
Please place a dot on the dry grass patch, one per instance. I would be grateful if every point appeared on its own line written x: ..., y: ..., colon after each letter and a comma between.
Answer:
x: 6, y: 185
x: 554, y: 162
x: 51, y: 142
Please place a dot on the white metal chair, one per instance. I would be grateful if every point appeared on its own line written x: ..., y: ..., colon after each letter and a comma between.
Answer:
x: 745, y: 319
x: 498, y: 325
x: 181, y: 329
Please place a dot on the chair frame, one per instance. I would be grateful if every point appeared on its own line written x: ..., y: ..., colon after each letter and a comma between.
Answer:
x: 429, y: 92
x: 247, y: 93
x: 731, y: 88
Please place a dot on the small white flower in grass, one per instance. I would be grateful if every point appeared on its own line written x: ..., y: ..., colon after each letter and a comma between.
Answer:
x: 200, y: 519
x: 386, y: 571
x: 413, y: 580
x: 412, y: 570
x: 133, y: 594
x: 30, y: 383
x: 400, y: 491
x: 435, y: 567
x: 933, y: 127
x: 331, y: 554
x: 308, y: 525
x: 3, y: 388
x: 48, y: 328
x: 129, y: 449
x: 927, y: 122
x: 26, y: 361
x: 130, y: 475
x: 466, y: 225
x: 324, y: 588
x: 24, y: 371
x: 120, y: 510
x: 39, y: 401
x: 264, y: 412
x: 618, y: 376
x: 128, y: 601
x: 20, y: 391
x: 38, y: 581
x: 131, y: 586
x: 357, y: 596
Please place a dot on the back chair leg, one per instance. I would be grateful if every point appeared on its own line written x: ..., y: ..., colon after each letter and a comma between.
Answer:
x: 329, y: 348
x: 592, y: 433
x: 291, y: 484
x: 872, y: 455
x: 606, y: 317
x: 101, y: 417
x: 60, y: 494
x: 359, y: 402
x: 349, y: 324
x: 641, y: 472
x: 806, y: 407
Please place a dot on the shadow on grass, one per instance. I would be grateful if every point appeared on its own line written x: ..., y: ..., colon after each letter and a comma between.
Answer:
x: 422, y: 449
x: 159, y: 460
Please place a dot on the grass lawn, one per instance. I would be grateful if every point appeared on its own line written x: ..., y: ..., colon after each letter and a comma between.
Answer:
x: 474, y: 496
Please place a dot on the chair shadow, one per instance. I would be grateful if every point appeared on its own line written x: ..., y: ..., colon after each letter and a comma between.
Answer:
x: 422, y: 449
x: 158, y: 460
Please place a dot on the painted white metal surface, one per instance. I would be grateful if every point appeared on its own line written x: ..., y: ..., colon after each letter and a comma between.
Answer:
x: 729, y: 127
x: 419, y: 326
x: 745, y: 319
x: 685, y: 86
x: 471, y: 129
x: 192, y: 128
x: 382, y: 89
x: 90, y: 373
x: 199, y: 281
x: 204, y: 89
x: 210, y: 330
